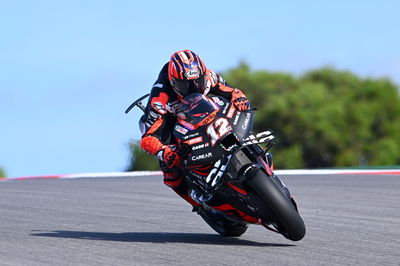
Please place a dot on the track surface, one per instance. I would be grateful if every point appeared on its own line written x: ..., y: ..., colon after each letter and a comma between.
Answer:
x: 350, y: 219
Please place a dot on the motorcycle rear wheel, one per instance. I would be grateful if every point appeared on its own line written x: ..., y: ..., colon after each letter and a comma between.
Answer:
x: 221, y: 224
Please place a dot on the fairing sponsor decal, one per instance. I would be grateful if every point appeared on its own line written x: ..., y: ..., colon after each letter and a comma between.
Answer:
x: 191, y: 135
x: 231, y: 111
x: 202, y: 156
x: 194, y: 141
x: 201, y: 146
x: 246, y: 120
x: 181, y: 130
x: 236, y: 120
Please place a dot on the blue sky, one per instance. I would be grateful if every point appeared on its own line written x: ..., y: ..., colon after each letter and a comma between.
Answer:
x: 70, y: 68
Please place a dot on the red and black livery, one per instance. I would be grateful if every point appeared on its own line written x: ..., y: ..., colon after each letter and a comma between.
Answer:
x: 227, y: 172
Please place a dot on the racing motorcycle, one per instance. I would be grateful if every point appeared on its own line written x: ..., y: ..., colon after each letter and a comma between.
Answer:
x: 227, y: 170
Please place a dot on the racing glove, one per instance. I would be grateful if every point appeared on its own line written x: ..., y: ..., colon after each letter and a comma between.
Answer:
x: 240, y: 100
x: 169, y: 158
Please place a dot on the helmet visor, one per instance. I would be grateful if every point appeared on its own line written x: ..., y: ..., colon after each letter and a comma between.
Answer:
x: 186, y: 87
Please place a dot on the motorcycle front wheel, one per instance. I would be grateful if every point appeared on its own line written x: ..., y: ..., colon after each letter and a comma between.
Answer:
x: 285, y: 218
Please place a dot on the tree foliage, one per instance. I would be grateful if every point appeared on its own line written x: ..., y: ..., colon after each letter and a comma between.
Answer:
x: 140, y: 160
x: 2, y: 172
x: 324, y: 118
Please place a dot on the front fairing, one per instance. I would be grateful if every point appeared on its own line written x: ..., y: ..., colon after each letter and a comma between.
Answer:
x: 204, y: 140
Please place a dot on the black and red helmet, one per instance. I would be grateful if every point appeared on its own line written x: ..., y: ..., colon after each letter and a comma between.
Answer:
x: 187, y: 73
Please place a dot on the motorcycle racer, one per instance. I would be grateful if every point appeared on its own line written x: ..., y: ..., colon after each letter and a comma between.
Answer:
x: 184, y: 74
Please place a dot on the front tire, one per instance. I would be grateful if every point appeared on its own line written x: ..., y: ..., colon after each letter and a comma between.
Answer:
x: 285, y: 216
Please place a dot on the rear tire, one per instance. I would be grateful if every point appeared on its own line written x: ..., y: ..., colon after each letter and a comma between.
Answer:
x: 221, y: 224
x: 285, y: 216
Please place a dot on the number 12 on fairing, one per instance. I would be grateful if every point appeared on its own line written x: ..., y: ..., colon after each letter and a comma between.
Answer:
x: 218, y: 129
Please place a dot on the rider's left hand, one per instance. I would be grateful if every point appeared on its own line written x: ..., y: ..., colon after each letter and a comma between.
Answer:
x: 169, y: 156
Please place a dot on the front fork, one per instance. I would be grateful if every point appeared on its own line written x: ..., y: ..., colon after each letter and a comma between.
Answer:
x: 268, y: 159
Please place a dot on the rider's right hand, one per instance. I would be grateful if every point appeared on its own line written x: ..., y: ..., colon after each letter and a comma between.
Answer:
x: 169, y: 156
x: 240, y: 100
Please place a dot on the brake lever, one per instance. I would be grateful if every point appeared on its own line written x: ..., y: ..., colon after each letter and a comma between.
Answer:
x: 250, y: 109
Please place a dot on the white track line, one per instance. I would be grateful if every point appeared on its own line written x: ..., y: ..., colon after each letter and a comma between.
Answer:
x: 156, y: 173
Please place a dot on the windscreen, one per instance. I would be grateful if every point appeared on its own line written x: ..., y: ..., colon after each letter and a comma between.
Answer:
x: 198, y: 110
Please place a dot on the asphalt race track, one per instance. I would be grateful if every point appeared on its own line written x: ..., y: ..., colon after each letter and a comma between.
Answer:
x: 350, y: 220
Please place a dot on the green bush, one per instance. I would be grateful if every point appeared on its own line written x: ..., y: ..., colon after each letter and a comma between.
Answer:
x: 140, y: 160
x: 324, y: 118
x: 2, y: 173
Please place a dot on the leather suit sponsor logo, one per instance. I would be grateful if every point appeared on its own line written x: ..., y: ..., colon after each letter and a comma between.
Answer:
x: 214, y: 78
x: 159, y: 102
x: 174, y: 107
x: 221, y: 80
x: 159, y: 107
x: 158, y: 85
x: 153, y: 114
x: 151, y: 118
